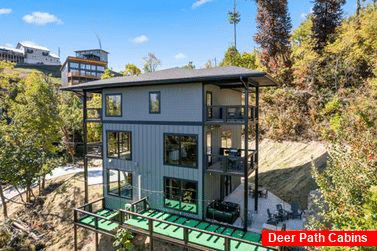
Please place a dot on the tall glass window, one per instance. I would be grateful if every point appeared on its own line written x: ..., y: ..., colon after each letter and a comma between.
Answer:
x: 119, y: 183
x: 154, y: 102
x: 180, y: 150
x: 113, y: 105
x: 181, y: 195
x: 118, y: 145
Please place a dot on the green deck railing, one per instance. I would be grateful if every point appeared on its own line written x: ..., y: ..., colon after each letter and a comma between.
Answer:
x: 186, y: 230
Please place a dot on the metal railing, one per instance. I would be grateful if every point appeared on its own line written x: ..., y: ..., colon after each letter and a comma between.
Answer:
x: 222, y: 163
x: 186, y: 230
x: 94, y: 149
x: 229, y: 114
x: 93, y: 114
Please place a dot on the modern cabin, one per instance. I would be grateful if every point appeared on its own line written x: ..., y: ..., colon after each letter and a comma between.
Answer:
x: 175, y: 142
x: 87, y: 65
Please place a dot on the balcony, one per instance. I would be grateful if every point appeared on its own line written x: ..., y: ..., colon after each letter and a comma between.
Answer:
x: 94, y: 150
x: 93, y: 114
x: 82, y: 75
x: 229, y: 114
x: 230, y: 162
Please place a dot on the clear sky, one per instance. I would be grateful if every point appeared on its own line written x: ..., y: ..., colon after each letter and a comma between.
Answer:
x: 177, y: 31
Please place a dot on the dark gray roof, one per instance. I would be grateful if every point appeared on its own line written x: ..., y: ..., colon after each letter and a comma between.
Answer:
x: 229, y: 76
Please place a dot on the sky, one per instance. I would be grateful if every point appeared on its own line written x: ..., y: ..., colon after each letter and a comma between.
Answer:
x: 176, y: 31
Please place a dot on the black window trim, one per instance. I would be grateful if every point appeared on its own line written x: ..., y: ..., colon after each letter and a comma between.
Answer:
x: 108, y: 183
x: 107, y: 148
x: 196, y: 150
x: 159, y: 102
x: 121, y: 104
x: 179, y: 179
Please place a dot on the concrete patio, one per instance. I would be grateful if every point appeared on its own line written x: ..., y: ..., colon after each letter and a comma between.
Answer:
x: 260, y: 218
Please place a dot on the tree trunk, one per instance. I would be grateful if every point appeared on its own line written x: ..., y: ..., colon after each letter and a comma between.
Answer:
x: 43, y: 181
x: 3, y: 200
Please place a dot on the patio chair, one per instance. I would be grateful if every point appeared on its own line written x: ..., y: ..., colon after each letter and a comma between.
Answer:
x: 272, y: 220
x: 294, y: 214
x: 282, y: 214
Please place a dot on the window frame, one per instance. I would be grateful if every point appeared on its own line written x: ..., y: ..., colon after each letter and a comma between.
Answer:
x: 159, y: 102
x: 121, y: 104
x: 180, y: 194
x: 180, y: 158
x: 118, y: 145
x: 119, y: 193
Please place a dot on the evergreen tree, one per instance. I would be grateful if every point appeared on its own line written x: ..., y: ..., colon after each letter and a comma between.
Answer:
x: 327, y: 15
x: 274, y: 26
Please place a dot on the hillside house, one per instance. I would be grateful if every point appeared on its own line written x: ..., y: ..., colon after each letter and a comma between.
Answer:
x: 87, y: 65
x: 174, y: 141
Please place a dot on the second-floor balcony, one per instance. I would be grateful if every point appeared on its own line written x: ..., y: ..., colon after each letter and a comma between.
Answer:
x: 94, y: 150
x: 230, y: 161
x: 77, y: 74
x: 229, y: 114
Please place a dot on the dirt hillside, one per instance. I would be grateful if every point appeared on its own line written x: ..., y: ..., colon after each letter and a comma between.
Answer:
x: 285, y: 168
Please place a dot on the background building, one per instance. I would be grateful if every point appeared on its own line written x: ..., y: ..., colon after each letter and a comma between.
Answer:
x: 87, y: 65
x: 29, y: 53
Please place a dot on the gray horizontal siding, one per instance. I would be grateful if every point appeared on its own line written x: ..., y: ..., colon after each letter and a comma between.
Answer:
x: 177, y: 104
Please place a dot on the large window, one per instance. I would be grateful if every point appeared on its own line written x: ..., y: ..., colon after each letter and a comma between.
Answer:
x: 154, y: 102
x: 181, y: 195
x: 119, y: 183
x: 118, y: 145
x: 113, y: 105
x: 181, y: 150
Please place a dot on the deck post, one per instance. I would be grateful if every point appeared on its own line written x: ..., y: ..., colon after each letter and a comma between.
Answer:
x: 256, y: 146
x: 185, y: 237
x: 246, y: 170
x: 85, y: 136
x: 150, y: 223
x: 96, y: 240
x: 74, y: 230
x: 227, y: 244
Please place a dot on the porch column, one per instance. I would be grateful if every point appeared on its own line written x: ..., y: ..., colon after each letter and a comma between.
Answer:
x: 246, y: 181
x: 85, y: 139
x: 256, y: 146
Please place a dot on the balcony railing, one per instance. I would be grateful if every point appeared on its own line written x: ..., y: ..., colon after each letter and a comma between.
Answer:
x: 229, y: 114
x: 94, y: 149
x: 229, y: 164
x: 82, y: 75
x: 93, y: 114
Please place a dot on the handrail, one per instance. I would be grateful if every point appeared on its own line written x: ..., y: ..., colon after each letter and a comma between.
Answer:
x: 91, y: 214
x: 91, y: 202
x: 187, y: 228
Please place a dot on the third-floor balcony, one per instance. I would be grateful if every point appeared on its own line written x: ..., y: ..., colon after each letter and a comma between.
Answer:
x: 93, y: 114
x: 234, y: 114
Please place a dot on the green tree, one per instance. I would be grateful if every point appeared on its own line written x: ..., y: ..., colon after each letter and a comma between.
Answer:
x: 70, y: 112
x: 327, y: 15
x: 107, y: 74
x: 35, y: 113
x: 123, y: 240
x: 131, y: 70
x: 234, y: 18
x: 151, y: 62
x: 189, y: 66
x: 274, y: 26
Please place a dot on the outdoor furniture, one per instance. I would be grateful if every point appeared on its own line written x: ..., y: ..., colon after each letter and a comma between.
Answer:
x: 294, y: 214
x: 223, y: 211
x: 272, y: 220
x: 282, y: 214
